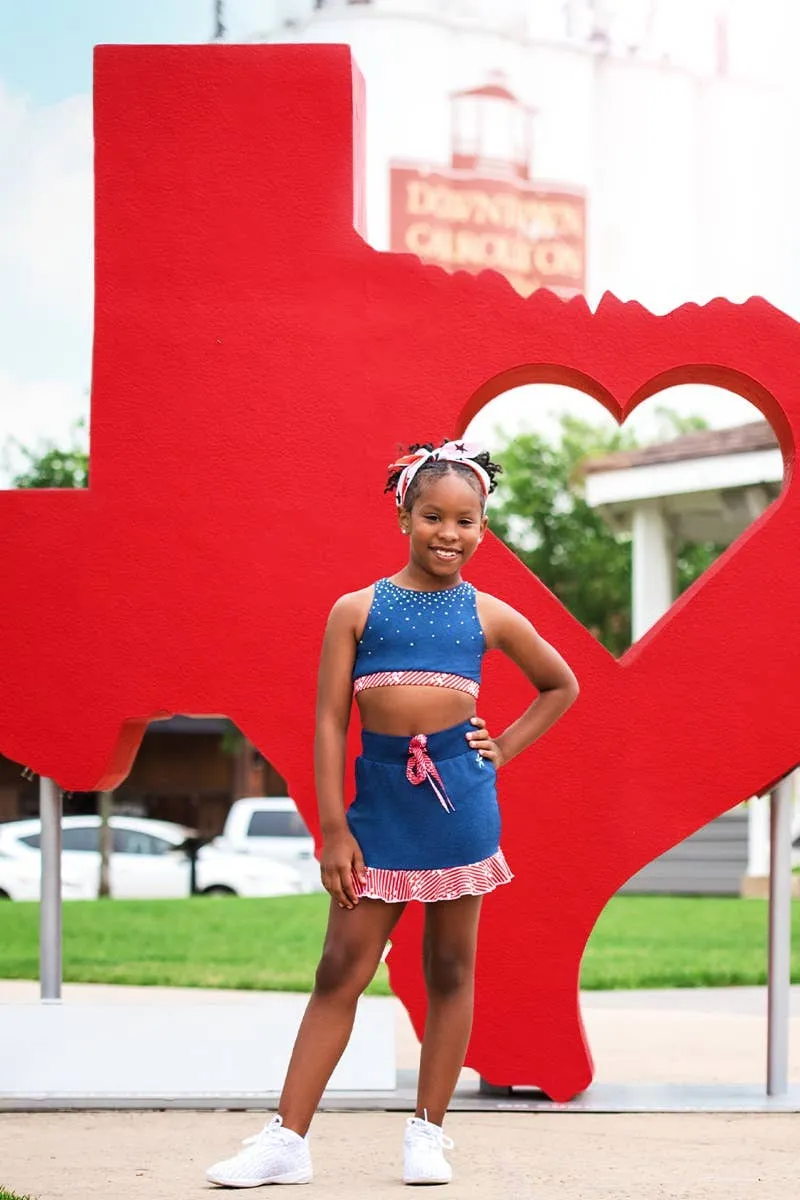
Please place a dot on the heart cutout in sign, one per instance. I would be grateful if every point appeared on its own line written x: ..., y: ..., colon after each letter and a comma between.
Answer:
x: 255, y: 363
x: 580, y: 506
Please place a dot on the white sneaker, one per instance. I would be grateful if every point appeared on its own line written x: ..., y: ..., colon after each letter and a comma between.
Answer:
x: 276, y: 1155
x: 423, y: 1153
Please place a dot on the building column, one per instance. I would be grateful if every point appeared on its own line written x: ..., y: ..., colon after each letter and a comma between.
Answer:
x: 758, y: 837
x: 653, y: 567
x: 758, y: 829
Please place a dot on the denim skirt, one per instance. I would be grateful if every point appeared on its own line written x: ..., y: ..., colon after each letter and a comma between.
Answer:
x: 426, y: 817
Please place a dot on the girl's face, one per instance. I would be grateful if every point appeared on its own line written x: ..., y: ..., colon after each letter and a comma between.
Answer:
x: 445, y: 525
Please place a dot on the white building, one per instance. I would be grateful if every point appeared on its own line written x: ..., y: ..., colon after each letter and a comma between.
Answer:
x: 705, y: 486
x: 666, y: 113
x: 701, y: 487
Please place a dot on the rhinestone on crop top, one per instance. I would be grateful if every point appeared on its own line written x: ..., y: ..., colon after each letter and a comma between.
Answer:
x: 425, y: 638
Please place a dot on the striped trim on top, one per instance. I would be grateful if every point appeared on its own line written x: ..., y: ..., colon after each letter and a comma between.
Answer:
x: 448, y: 883
x: 417, y: 678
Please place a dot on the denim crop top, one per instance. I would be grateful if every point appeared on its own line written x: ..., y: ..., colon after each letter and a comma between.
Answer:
x: 426, y: 638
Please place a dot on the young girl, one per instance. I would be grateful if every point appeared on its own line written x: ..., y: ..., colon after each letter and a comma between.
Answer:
x: 424, y: 824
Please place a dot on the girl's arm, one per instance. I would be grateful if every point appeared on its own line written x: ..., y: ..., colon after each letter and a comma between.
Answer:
x: 341, y: 856
x: 507, y: 630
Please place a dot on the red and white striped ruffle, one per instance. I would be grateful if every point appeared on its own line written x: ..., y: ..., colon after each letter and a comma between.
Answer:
x: 448, y: 883
x: 420, y: 678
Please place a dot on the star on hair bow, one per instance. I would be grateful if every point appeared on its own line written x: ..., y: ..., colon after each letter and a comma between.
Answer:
x: 461, y: 452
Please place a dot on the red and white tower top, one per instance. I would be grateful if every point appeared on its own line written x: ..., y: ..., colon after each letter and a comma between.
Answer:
x: 491, y: 129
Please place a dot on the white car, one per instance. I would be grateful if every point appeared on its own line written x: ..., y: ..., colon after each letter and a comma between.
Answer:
x: 271, y: 826
x: 146, y: 862
x: 20, y: 879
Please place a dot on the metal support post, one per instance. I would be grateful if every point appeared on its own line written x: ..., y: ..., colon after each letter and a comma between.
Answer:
x: 780, y: 932
x: 50, y: 963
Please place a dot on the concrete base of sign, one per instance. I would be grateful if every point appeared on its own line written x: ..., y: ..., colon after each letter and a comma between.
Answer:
x: 599, y: 1098
x: 64, y: 1055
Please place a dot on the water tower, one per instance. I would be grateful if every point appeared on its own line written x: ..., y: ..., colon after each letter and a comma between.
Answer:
x: 492, y: 130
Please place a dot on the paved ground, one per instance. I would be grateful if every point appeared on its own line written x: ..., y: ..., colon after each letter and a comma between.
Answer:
x: 161, y: 1156
x: 693, y: 1036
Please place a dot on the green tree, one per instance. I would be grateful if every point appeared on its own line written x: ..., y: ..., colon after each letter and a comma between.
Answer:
x: 672, y: 424
x: 52, y: 466
x: 542, y: 515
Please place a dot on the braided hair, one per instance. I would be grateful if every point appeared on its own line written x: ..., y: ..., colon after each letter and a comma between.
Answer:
x: 436, y: 468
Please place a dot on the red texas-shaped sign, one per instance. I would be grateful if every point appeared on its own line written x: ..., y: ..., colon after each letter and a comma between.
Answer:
x: 256, y: 363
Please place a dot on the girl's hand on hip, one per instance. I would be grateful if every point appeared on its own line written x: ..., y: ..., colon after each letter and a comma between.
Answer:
x: 341, y: 866
x: 482, y: 741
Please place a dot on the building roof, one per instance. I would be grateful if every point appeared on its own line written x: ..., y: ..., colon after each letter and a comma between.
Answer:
x: 495, y: 91
x: 706, y: 443
x: 181, y: 724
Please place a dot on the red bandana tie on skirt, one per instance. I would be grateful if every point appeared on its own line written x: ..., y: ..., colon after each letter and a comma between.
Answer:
x: 420, y: 767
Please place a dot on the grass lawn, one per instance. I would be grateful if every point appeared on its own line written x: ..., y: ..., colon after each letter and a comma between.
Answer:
x: 273, y: 945
x: 4, y: 1195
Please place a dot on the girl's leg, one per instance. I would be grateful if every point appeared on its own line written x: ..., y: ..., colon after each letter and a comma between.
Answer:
x: 354, y: 943
x: 449, y: 946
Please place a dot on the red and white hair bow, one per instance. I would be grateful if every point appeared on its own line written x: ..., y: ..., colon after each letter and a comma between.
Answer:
x: 460, y: 452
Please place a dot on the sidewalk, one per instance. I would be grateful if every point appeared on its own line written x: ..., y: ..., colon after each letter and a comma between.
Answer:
x: 692, y: 1037
x: 162, y: 1156
x: 685, y: 1035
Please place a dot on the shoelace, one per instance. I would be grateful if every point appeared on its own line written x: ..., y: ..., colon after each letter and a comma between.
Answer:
x: 436, y: 1135
x: 275, y: 1126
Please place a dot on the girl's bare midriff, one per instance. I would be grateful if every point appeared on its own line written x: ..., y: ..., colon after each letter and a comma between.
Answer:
x: 406, y: 711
